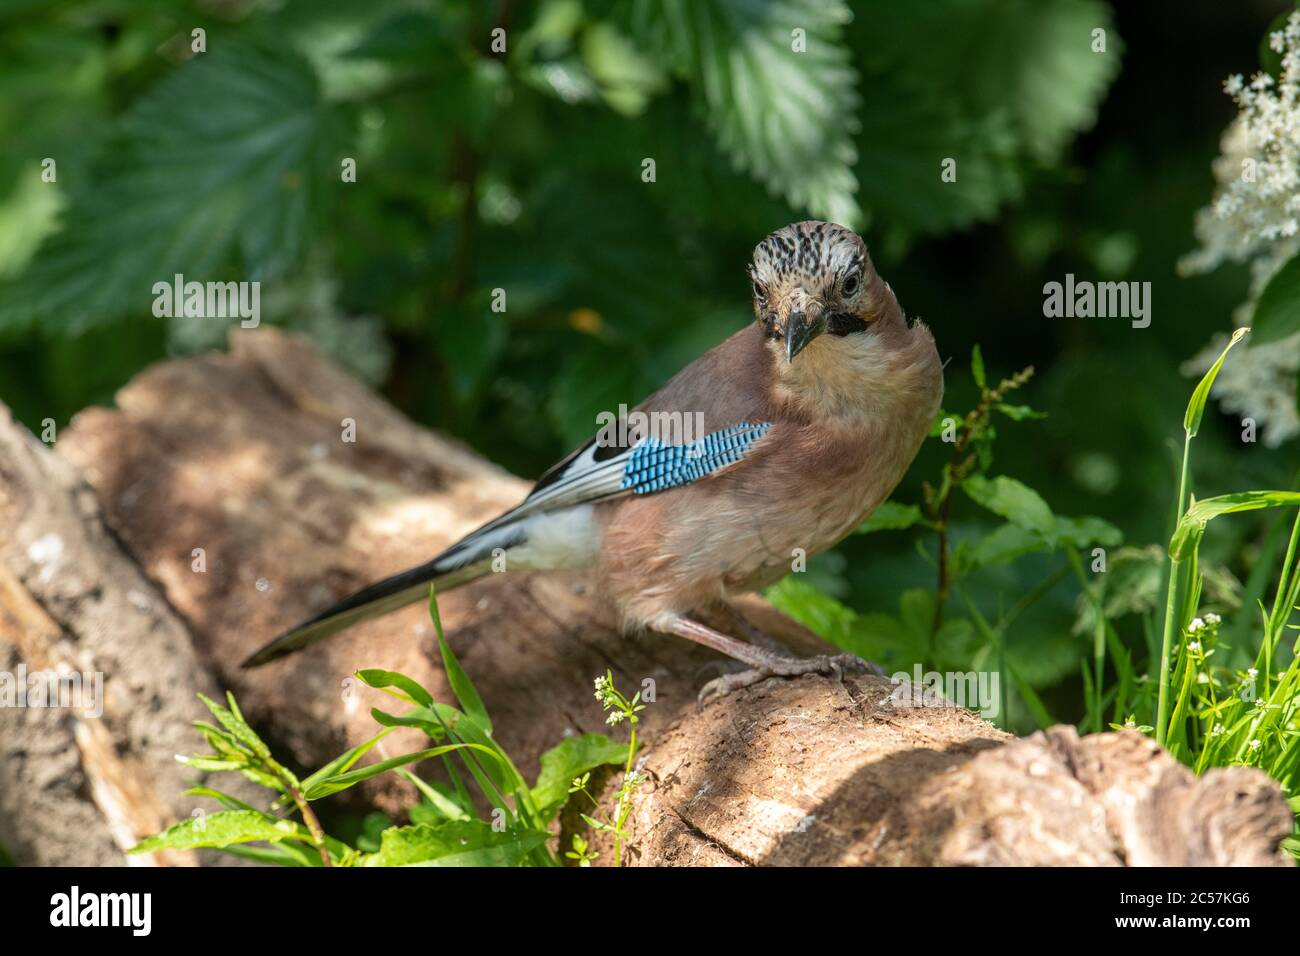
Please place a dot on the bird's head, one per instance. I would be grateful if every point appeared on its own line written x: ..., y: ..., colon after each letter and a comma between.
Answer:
x: 813, y: 282
x: 840, y: 346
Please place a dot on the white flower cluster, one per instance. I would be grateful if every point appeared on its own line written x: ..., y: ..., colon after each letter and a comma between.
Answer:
x: 1255, y: 218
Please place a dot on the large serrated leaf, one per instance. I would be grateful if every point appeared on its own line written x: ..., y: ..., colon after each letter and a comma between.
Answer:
x: 785, y: 116
x: 211, y: 175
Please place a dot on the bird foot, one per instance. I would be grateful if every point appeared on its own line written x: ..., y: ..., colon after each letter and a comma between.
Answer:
x: 780, y: 666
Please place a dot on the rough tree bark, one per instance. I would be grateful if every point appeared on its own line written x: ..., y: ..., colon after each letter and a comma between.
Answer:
x: 220, y: 501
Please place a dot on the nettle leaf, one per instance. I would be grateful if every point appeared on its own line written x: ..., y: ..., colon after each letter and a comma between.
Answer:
x: 908, y: 134
x: 573, y: 757
x: 223, y: 829
x: 1013, y: 500
x: 1032, y: 59
x: 786, y: 117
x: 215, y: 169
x: 890, y: 516
x: 992, y: 85
x: 1038, y: 58
x: 458, y: 843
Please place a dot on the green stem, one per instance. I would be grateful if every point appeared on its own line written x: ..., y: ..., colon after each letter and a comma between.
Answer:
x: 618, y: 817
x: 1093, y: 594
x: 309, y: 818
x: 1283, y: 603
x: 1171, y: 605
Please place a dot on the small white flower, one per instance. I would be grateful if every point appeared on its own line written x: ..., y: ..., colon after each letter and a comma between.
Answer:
x: 1218, y: 729
x: 1256, y: 744
x: 1196, y: 626
x: 1213, y: 619
x: 1252, y: 672
x: 1252, y: 219
x: 1194, y: 646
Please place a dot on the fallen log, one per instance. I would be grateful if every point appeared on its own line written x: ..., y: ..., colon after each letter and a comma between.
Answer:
x: 245, y: 491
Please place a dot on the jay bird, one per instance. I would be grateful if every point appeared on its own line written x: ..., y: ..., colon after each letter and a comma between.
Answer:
x: 811, y: 415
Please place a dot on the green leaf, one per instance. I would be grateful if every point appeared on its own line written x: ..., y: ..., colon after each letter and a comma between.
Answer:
x: 498, y: 773
x: 345, y: 761
x: 821, y: 614
x: 278, y: 854
x: 784, y: 116
x: 1033, y: 59
x: 908, y: 132
x: 233, y: 721
x: 627, y: 78
x: 977, y: 367
x: 1277, y: 311
x: 439, y: 805
x: 593, y: 379
x: 380, y: 679
x: 1003, y: 545
x: 895, y: 643
x: 1201, y: 394
x: 460, y: 683
x: 1085, y: 531
x: 994, y: 85
x: 572, y: 757
x: 222, y: 829
x: 1191, y: 527
x: 890, y: 516
x: 1009, y: 542
x: 213, y: 175
x: 458, y: 843
x: 407, y: 38
x: 1018, y: 413
x: 1013, y: 500
x: 342, y: 781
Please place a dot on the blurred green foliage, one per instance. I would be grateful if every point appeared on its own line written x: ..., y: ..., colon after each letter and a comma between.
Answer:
x: 522, y: 170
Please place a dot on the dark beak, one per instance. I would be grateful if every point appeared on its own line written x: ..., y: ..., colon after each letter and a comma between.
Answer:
x: 799, y: 331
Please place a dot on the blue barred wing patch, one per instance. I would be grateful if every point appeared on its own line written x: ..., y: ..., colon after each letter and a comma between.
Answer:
x: 653, y: 466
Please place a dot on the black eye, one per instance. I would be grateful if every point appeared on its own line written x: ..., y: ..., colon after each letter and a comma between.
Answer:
x: 759, y: 292
x: 850, y: 287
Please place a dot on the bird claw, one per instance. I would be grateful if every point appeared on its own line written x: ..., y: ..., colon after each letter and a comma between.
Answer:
x: 827, y: 664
